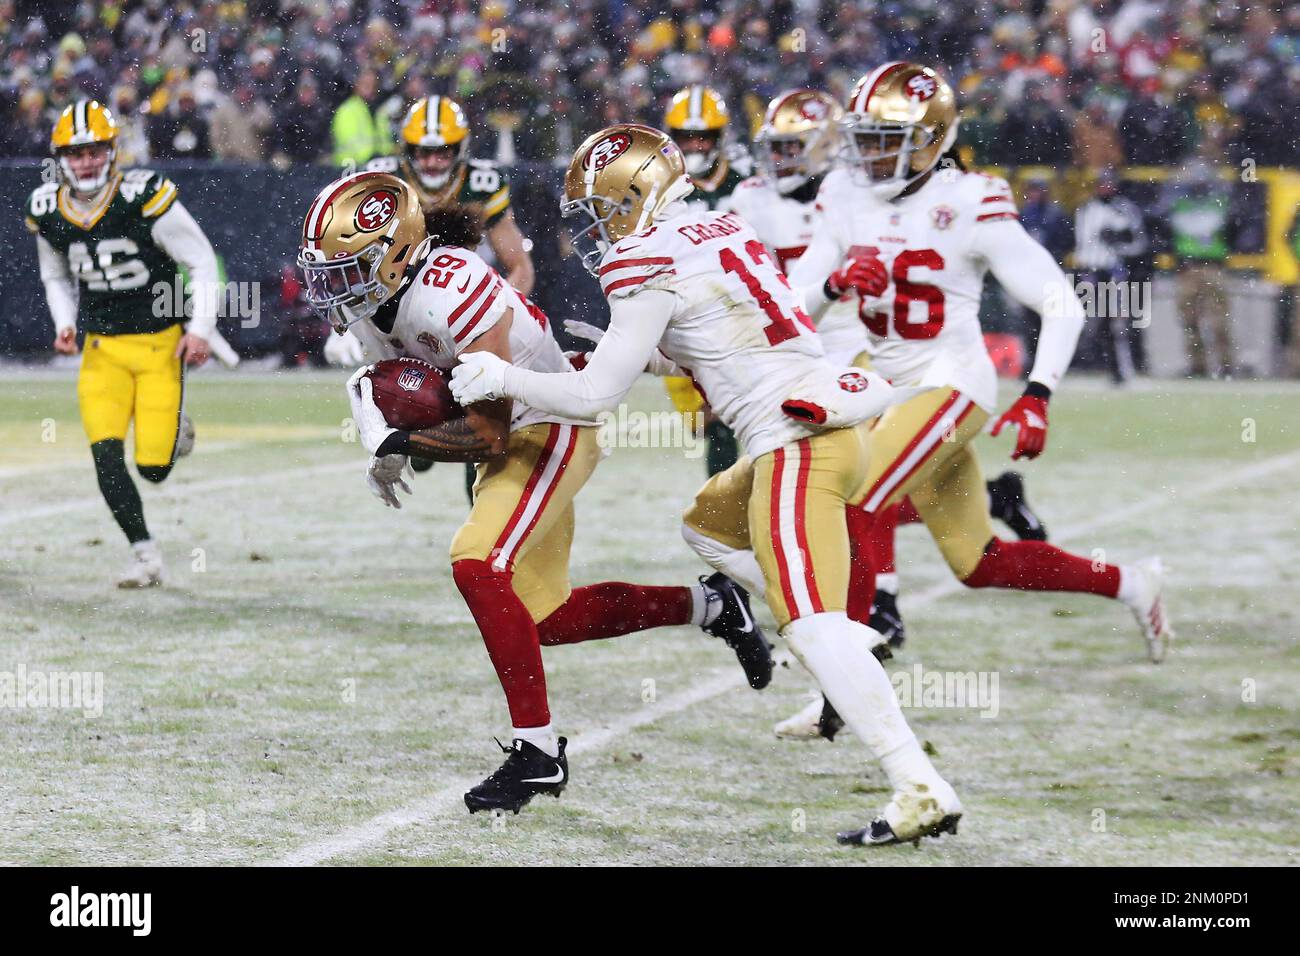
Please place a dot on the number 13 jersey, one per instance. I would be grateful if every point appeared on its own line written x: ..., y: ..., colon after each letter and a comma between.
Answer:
x: 924, y: 329
x: 737, y: 328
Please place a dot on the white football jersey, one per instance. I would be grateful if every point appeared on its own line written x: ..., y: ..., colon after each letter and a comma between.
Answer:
x: 738, y: 329
x: 925, y: 328
x: 786, y: 226
x: 453, y: 299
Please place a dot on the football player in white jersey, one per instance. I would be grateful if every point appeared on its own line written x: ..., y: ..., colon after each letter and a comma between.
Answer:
x: 795, y: 149
x: 369, y: 264
x: 910, y: 242
x: 698, y: 290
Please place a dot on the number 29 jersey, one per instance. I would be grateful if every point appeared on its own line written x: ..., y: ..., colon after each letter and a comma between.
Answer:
x: 737, y: 328
x: 924, y: 328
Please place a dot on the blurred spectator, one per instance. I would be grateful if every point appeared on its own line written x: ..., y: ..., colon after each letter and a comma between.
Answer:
x: 1108, y: 232
x: 1034, y: 132
x: 240, y: 125
x: 132, y: 135
x: 29, y: 133
x: 1047, y: 222
x: 1095, y: 139
x: 303, y: 127
x: 1153, y: 130
x: 355, y: 133
x: 179, y: 131
x: 1196, y: 203
x: 1293, y: 340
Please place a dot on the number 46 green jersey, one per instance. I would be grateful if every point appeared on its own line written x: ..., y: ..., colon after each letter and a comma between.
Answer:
x: 111, y: 249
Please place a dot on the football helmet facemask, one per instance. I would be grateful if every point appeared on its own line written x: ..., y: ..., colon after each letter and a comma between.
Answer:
x: 618, y: 182
x: 84, y: 123
x: 361, y: 234
x: 900, y: 120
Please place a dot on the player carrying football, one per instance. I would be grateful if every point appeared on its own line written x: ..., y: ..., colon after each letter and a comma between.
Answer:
x: 369, y: 264
x: 112, y: 234
x: 910, y: 242
x: 697, y: 289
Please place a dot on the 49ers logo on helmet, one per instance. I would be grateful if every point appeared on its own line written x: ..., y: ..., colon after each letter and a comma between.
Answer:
x: 606, y: 151
x: 376, y: 210
x: 813, y: 110
x: 921, y: 87
x: 853, y: 382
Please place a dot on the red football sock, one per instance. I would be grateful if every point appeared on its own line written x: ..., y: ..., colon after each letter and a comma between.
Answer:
x: 511, y: 639
x: 613, y: 608
x: 1039, y: 566
x: 907, y: 513
x: 882, y: 538
x: 862, y: 570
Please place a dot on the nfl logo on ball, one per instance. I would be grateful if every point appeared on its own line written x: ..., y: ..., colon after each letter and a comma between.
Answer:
x: 411, y: 379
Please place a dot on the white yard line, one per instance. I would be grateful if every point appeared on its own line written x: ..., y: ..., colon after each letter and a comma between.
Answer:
x: 428, y: 808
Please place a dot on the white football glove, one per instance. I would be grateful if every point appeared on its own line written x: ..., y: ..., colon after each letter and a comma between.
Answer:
x: 480, y: 376
x: 384, y: 477
x: 372, y: 428
x: 344, y: 350
x: 584, y: 330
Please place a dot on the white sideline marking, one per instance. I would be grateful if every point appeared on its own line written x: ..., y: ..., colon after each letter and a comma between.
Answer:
x: 180, y: 491
x: 429, y: 807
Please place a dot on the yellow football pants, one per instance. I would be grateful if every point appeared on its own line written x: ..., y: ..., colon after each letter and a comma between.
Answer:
x: 125, y: 377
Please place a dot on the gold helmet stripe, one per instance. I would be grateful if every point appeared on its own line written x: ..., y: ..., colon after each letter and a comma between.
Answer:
x: 873, y: 80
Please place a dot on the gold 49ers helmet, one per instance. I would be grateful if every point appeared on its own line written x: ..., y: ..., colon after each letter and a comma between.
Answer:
x: 619, y: 180
x: 799, y: 138
x: 84, y: 123
x: 435, y: 122
x: 900, y: 120
x: 360, y: 235
x: 698, y: 112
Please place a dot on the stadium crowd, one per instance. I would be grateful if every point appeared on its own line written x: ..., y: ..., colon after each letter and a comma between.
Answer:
x: 1091, y: 83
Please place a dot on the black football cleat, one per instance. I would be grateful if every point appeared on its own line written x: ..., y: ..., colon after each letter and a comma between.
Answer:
x: 880, y: 833
x: 886, y: 618
x: 527, y: 772
x: 1007, y: 503
x: 736, y: 626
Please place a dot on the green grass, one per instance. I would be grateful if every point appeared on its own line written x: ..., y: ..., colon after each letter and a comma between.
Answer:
x: 310, y: 667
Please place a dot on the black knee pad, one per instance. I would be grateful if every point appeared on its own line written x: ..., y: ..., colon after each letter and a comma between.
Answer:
x: 154, y: 473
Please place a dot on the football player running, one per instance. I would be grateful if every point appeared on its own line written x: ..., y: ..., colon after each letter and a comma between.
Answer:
x: 104, y: 237
x: 698, y: 290
x: 909, y: 242
x: 368, y: 263
x: 795, y: 148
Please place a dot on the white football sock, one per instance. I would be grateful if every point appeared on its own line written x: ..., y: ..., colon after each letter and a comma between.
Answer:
x: 741, y: 566
x: 887, y: 582
x: 706, y: 605
x: 1129, y: 588
x: 543, y: 738
x: 836, y: 651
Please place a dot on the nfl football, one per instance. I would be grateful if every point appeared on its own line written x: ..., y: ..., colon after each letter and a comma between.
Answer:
x: 413, y: 394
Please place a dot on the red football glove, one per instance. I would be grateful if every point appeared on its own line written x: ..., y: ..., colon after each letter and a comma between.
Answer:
x: 865, y: 274
x: 1029, y: 416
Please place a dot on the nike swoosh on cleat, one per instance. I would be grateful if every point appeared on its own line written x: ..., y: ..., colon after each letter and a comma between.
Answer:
x: 749, y: 621
x: 559, y: 775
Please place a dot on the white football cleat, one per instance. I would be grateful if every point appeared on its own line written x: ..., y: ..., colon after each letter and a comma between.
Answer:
x: 184, y: 436
x: 805, y: 725
x: 1148, y: 607
x: 145, y: 569
x: 916, y: 810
